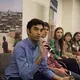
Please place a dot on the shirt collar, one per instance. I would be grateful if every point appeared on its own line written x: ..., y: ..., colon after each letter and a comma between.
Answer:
x: 31, y: 45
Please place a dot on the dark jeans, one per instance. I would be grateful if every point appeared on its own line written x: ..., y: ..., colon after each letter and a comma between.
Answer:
x: 14, y: 78
x: 37, y: 76
x: 71, y: 64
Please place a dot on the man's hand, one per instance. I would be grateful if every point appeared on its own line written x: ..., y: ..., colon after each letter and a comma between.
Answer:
x: 42, y: 52
x: 43, y: 48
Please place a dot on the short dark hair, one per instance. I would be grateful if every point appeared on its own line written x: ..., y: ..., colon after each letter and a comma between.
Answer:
x: 46, y: 25
x: 35, y: 22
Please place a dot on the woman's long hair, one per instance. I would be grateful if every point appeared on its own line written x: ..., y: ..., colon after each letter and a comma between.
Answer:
x: 60, y: 40
x: 70, y: 42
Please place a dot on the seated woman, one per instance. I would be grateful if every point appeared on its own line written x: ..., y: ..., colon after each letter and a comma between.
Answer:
x: 56, y: 45
x: 67, y: 46
x: 76, y: 45
x: 54, y: 65
x: 59, y: 69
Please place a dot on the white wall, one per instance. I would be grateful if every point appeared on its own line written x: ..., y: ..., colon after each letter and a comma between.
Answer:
x: 68, y: 15
x: 64, y: 15
x: 76, y: 16
x: 59, y: 14
x: 34, y: 9
x: 43, y: 2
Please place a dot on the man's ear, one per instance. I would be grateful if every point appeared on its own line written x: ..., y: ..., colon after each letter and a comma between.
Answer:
x: 28, y: 31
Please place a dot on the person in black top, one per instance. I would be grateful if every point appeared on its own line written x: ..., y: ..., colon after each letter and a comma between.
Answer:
x: 5, y: 45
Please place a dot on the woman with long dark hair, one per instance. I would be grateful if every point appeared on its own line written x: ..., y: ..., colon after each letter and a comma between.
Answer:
x: 76, y: 43
x: 67, y: 46
x: 56, y: 43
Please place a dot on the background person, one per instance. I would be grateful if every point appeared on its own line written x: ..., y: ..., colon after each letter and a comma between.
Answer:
x: 5, y: 45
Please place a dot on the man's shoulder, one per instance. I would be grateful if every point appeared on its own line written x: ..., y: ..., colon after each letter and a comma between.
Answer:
x: 22, y: 43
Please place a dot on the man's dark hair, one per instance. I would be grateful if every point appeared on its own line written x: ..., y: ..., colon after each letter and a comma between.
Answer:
x: 34, y: 22
x: 46, y: 25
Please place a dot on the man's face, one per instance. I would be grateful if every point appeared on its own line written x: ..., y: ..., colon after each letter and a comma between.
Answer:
x: 45, y: 32
x: 59, y: 34
x: 35, y: 32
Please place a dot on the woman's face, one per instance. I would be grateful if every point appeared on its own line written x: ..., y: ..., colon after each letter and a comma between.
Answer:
x: 59, y: 34
x: 67, y: 38
x: 77, y: 37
